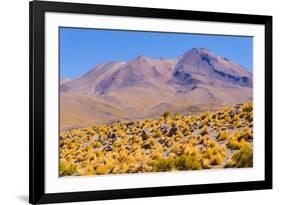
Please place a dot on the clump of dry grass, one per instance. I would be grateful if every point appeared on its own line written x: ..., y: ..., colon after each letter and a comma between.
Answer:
x: 169, y: 143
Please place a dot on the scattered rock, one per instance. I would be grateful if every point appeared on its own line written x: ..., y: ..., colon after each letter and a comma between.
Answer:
x: 101, y: 140
x: 108, y: 148
x: 164, y: 128
x: 191, y: 129
x: 145, y: 134
x: 130, y: 125
x: 232, y: 113
x: 173, y: 131
x: 112, y: 136
x: 231, y: 127
x: 199, y: 125
x: 146, y: 146
x: 237, y: 106
x: 239, y: 111
x: 168, y: 144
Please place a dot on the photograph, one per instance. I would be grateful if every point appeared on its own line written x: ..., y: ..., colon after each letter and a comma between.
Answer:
x: 132, y: 102
x: 141, y: 101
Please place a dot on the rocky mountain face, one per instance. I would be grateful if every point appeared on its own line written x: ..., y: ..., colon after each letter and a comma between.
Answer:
x: 202, y: 66
x: 146, y: 87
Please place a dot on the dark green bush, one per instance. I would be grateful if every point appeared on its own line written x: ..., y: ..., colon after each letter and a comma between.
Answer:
x: 166, y: 114
x: 186, y: 162
x: 243, y: 157
x: 163, y: 165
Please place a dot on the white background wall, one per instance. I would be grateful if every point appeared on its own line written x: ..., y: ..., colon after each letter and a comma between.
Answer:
x: 14, y: 100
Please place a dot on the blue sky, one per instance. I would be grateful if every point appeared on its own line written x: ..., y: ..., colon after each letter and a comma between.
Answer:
x: 82, y: 49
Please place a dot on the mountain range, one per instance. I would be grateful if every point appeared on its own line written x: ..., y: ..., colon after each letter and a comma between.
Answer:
x: 145, y: 88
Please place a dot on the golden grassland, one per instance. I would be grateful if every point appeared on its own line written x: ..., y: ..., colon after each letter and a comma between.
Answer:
x: 221, y: 139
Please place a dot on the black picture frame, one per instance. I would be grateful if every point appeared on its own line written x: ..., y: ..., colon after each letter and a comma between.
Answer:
x: 37, y: 9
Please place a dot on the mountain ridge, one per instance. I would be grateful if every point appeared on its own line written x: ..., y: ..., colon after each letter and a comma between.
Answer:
x: 197, y: 77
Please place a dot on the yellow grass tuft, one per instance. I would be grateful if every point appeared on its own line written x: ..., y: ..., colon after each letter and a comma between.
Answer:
x: 170, y: 143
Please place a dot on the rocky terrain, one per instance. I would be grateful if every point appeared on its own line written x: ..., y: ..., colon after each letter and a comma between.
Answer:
x: 209, y: 140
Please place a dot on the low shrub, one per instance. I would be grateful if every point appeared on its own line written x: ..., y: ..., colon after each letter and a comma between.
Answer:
x: 206, y: 163
x: 244, y: 156
x: 204, y: 130
x: 217, y: 159
x: 186, y: 162
x: 166, y: 114
x: 223, y: 135
x: 163, y: 165
x: 183, y: 162
x: 67, y: 168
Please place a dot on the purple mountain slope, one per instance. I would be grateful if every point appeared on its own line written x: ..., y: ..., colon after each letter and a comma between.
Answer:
x: 145, y: 87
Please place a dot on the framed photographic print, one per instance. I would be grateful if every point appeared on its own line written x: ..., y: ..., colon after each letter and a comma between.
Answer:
x: 140, y: 102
